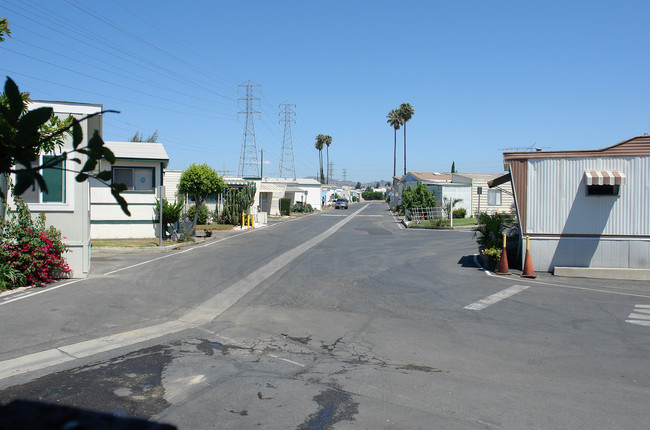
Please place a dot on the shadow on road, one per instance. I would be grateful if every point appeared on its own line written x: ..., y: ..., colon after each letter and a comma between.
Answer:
x: 467, y: 261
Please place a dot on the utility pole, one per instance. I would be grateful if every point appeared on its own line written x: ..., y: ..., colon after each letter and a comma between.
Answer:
x: 287, y: 144
x: 248, y: 156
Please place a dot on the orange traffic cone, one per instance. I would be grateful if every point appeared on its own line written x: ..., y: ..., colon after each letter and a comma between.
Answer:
x: 503, y: 261
x: 528, y: 264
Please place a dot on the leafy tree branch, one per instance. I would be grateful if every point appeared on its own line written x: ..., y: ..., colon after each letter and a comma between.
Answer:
x: 25, y: 134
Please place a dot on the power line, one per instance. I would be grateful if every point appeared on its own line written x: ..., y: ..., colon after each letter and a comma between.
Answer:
x: 187, y: 48
x: 101, y: 80
x: 86, y: 36
x: 184, y: 112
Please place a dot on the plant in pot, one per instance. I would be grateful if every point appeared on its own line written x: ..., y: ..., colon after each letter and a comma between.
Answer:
x: 492, y: 256
x: 489, y: 236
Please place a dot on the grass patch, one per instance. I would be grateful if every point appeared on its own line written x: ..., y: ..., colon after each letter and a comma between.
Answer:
x: 458, y: 222
x: 464, y: 221
x: 215, y: 227
x: 125, y: 243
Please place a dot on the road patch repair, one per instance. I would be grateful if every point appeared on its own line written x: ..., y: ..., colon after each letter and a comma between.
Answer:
x: 202, y: 314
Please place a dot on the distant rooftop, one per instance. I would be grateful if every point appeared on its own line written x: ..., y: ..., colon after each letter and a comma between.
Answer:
x: 138, y: 151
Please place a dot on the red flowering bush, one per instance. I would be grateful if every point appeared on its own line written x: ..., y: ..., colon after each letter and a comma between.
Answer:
x: 28, y: 247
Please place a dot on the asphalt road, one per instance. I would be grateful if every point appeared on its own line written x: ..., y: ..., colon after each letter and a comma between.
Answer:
x: 336, y: 320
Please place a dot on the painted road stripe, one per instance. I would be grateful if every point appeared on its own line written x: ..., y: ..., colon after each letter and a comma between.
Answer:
x: 495, y: 298
x: 640, y: 315
x: 639, y: 322
x: 202, y: 314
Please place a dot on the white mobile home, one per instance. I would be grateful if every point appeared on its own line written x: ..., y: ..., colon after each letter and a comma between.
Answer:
x: 271, y: 190
x: 450, y: 192
x: 66, y: 204
x: 138, y: 165
x: 587, y: 209
x: 498, y: 199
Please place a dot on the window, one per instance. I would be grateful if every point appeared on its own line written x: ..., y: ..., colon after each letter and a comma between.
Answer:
x: 135, y: 178
x: 604, y: 182
x: 494, y: 197
x: 54, y: 177
x: 602, y: 190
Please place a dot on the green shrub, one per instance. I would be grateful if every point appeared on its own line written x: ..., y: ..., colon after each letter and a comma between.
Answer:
x: 10, y: 277
x: 285, y: 206
x: 460, y: 213
x: 204, y: 214
x: 420, y: 197
x: 171, y: 212
x: 490, y: 229
x: 372, y: 195
x: 300, y: 207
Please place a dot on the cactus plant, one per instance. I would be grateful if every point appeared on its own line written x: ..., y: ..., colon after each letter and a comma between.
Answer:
x: 236, y: 201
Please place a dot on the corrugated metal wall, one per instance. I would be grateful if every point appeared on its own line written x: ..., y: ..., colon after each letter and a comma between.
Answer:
x: 558, y: 204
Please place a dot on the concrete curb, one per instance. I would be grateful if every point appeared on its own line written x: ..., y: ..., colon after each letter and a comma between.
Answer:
x: 14, y: 291
x: 623, y: 274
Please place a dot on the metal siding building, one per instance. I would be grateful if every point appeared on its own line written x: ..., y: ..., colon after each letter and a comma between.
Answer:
x: 568, y: 227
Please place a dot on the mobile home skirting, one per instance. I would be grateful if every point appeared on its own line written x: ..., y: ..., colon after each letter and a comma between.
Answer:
x: 548, y: 251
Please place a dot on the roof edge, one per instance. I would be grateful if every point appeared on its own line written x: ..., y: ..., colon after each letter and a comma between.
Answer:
x: 612, y: 151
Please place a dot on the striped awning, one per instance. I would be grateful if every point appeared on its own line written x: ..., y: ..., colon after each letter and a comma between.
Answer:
x: 605, y: 177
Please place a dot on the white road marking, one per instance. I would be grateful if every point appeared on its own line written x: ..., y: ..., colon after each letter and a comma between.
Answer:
x: 36, y: 293
x: 287, y: 360
x: 32, y: 292
x: 200, y: 315
x: 640, y: 315
x: 637, y: 322
x: 497, y: 297
x: 397, y: 221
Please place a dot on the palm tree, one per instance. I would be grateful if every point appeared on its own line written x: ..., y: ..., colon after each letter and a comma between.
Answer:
x: 328, y: 142
x: 394, y: 121
x: 406, y: 111
x: 320, y: 142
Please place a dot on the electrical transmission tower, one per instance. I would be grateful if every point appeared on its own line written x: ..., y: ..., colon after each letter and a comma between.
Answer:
x: 330, y: 169
x: 345, y: 175
x: 248, y: 165
x: 286, y: 154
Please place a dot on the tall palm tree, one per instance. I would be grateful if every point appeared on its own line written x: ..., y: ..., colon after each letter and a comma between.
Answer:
x: 406, y: 111
x: 328, y: 142
x: 320, y: 143
x: 394, y: 120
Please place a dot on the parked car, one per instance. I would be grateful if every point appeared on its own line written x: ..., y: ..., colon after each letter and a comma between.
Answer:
x: 341, y: 204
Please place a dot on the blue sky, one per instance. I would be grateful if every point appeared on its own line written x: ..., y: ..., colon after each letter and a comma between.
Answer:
x: 482, y: 76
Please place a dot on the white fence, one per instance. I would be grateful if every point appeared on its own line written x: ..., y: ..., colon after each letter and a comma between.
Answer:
x: 419, y: 215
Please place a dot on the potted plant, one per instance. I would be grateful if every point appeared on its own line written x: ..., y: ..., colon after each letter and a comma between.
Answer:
x: 492, y: 256
x: 489, y: 236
